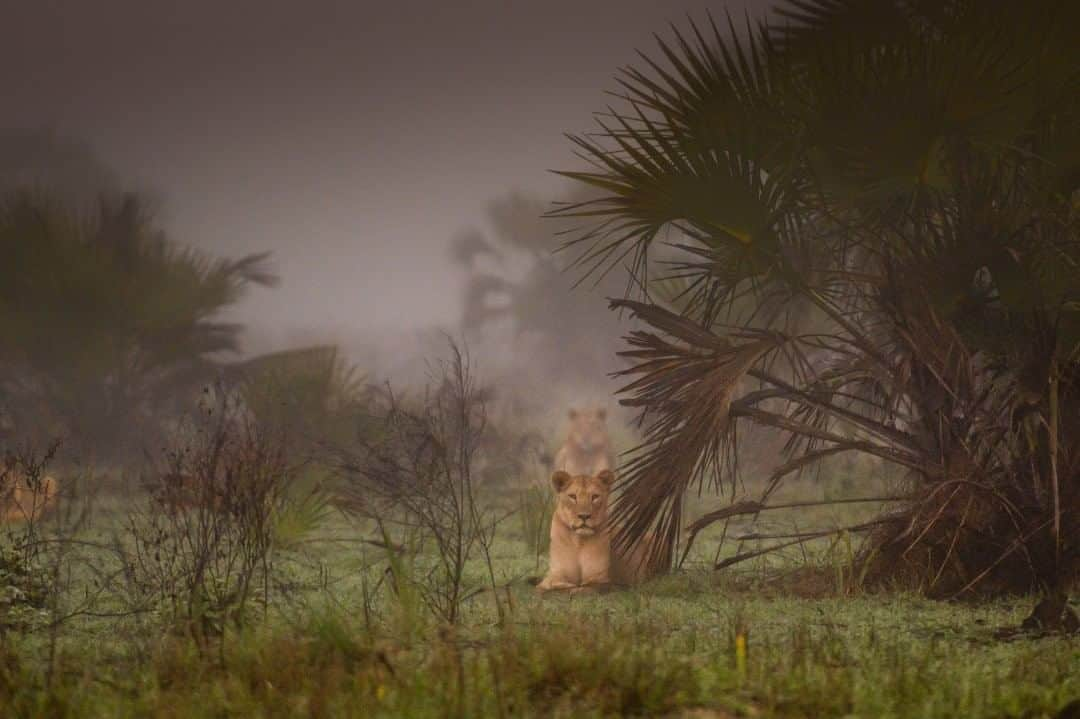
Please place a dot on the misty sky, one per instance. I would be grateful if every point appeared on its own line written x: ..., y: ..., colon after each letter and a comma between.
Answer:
x: 352, y: 139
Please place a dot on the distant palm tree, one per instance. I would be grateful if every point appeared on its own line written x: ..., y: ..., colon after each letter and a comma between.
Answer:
x: 515, y: 282
x: 879, y: 206
x: 104, y: 321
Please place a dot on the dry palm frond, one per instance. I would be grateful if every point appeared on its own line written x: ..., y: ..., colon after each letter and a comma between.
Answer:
x: 685, y: 388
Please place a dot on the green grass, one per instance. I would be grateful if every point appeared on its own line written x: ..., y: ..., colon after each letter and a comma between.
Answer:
x: 338, y: 644
x: 665, y: 648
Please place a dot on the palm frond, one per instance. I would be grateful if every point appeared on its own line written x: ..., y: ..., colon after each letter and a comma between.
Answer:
x: 685, y: 387
x: 878, y: 198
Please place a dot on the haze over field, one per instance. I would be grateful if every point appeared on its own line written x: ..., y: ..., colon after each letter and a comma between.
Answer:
x: 351, y: 139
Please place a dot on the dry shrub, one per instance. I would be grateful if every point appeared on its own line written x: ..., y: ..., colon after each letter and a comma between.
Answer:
x: 994, y: 506
x: 419, y: 474
x: 44, y: 551
x: 977, y: 536
x: 201, y: 546
x: 26, y: 491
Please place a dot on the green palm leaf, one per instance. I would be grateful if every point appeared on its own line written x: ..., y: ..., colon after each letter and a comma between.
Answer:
x: 890, y: 183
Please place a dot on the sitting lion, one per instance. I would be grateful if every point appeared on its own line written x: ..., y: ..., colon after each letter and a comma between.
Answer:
x: 587, y: 449
x: 581, y: 554
x: 19, y: 502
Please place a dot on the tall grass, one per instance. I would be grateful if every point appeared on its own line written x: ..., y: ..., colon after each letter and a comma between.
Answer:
x: 535, y: 507
x: 618, y: 656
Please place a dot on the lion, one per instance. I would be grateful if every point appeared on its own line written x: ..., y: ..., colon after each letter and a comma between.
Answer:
x: 587, y: 449
x: 20, y: 502
x: 581, y: 557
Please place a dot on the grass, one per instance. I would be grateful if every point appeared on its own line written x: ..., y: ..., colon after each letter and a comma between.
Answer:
x: 667, y: 648
x: 788, y: 636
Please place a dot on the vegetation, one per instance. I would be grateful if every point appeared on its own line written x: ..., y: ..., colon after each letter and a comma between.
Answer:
x: 876, y: 266
x: 200, y: 548
x: 211, y: 594
x: 107, y: 324
x: 344, y: 641
x: 421, y: 474
x: 312, y: 396
x: 111, y: 326
x: 877, y: 209
x: 516, y: 285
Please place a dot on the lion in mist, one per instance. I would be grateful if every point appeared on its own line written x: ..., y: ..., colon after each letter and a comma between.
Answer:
x: 587, y: 449
x: 21, y: 502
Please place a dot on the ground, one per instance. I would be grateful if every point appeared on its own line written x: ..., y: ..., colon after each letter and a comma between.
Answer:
x: 792, y: 636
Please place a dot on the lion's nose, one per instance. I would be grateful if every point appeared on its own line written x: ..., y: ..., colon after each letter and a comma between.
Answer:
x: 583, y: 517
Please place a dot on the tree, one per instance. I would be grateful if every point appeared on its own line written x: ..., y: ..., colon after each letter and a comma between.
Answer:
x: 517, y: 284
x: 879, y: 205
x: 106, y: 322
x: 307, y: 395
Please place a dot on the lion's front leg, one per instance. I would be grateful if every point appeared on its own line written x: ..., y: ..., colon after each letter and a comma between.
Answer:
x: 596, y: 566
x: 599, y: 588
x: 552, y: 583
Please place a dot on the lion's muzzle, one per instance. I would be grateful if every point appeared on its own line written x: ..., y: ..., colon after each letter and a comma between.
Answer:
x: 584, y: 528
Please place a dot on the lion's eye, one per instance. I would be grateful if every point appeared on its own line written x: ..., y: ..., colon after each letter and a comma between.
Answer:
x: 572, y: 496
x: 596, y: 498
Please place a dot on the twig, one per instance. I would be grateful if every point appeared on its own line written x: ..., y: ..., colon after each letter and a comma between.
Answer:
x: 752, y: 507
x: 742, y: 557
x: 354, y: 540
x: 1018, y: 542
x: 810, y: 535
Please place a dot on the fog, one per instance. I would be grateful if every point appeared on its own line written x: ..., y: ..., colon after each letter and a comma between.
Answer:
x: 351, y: 139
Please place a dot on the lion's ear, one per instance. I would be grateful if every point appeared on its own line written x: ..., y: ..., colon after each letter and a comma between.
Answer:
x: 601, y: 413
x: 559, y: 480
x: 607, y: 477
x: 572, y: 413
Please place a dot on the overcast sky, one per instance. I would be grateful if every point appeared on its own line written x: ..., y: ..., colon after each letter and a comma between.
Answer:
x: 352, y: 139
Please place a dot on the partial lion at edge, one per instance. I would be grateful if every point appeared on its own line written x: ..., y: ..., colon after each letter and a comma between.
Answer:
x: 21, y: 502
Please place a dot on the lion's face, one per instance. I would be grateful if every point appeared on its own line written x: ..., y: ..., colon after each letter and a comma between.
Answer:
x: 588, y: 429
x: 582, y: 501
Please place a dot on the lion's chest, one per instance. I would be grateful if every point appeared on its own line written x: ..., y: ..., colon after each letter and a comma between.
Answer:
x: 586, y: 563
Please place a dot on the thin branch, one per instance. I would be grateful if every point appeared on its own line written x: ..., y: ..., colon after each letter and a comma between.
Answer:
x: 805, y: 538
x: 751, y: 507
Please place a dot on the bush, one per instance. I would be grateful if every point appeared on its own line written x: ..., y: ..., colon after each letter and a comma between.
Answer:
x: 202, y: 545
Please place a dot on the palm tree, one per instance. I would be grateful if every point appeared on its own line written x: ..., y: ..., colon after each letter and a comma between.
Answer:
x: 877, y: 201
x: 524, y: 288
x: 106, y: 322
x: 307, y: 395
